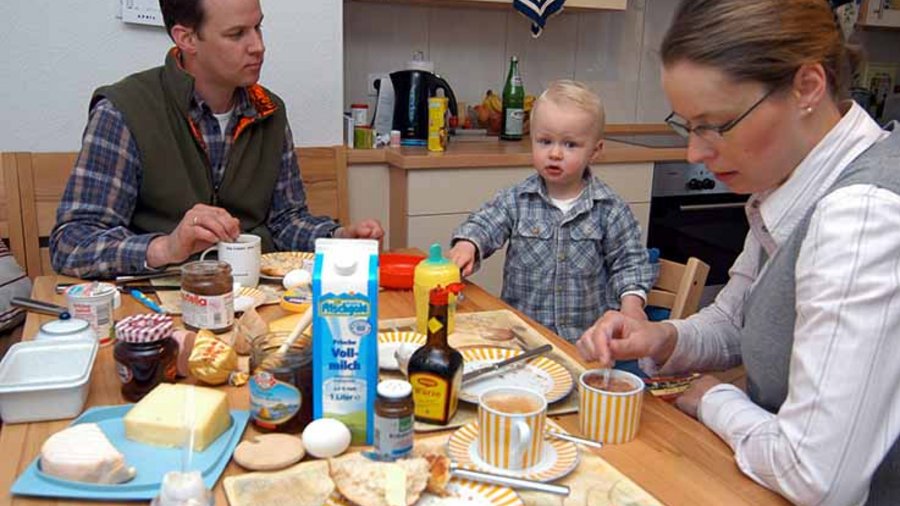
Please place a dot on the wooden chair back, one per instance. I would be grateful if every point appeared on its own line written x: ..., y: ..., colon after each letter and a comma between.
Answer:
x: 11, y: 207
x: 41, y: 180
x: 679, y: 287
x: 324, y: 172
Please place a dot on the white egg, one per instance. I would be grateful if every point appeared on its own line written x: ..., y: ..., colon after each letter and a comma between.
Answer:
x: 296, y: 278
x: 326, y: 437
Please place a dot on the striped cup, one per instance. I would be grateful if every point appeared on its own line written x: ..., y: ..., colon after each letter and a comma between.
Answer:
x: 511, y: 427
x: 610, y: 417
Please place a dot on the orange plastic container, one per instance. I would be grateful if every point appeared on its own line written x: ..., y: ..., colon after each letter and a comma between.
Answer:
x: 397, y: 270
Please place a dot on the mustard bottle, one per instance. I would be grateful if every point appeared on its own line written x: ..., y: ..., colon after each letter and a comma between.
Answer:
x: 431, y: 272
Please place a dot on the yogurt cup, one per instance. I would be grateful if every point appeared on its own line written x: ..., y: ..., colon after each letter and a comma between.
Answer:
x: 95, y: 303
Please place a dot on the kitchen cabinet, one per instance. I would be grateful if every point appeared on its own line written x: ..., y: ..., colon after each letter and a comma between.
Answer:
x: 423, y: 206
x: 619, y: 5
x: 880, y: 13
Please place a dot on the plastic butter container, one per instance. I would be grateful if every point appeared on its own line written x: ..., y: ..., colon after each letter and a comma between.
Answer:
x: 46, y: 380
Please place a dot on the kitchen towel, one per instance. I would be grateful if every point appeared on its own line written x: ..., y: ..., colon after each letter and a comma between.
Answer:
x: 538, y: 12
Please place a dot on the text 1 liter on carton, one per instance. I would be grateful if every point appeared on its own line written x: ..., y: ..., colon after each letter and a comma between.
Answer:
x: 345, y: 334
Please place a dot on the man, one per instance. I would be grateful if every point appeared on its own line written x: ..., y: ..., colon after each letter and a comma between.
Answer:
x: 177, y: 158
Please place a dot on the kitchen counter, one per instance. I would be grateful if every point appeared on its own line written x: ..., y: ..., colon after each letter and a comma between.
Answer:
x: 496, y: 153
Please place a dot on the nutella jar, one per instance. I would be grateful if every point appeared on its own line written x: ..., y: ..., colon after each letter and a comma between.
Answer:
x: 207, y: 296
x: 281, y: 392
x: 394, y: 419
x: 145, y: 354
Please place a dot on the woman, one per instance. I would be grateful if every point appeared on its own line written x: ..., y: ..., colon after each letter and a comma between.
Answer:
x: 812, y: 308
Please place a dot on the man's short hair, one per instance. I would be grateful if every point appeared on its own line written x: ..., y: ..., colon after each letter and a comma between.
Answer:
x: 187, y: 13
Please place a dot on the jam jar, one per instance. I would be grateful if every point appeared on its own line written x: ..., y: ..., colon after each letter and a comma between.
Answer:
x: 207, y: 296
x: 281, y: 393
x: 145, y: 353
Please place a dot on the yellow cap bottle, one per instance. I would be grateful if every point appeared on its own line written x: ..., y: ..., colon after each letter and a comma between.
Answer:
x: 431, y: 272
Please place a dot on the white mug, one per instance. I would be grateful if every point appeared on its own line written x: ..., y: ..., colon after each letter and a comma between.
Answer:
x: 243, y: 255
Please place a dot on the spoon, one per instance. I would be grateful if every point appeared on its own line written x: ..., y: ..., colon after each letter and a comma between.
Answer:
x: 304, y: 321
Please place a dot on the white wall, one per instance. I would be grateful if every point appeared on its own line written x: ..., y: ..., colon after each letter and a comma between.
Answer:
x: 614, y: 52
x: 55, y: 53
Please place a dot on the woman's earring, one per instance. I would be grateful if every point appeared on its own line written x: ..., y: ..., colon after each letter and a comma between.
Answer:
x: 808, y: 110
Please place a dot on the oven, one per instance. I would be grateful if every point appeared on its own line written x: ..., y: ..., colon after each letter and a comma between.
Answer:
x: 691, y: 214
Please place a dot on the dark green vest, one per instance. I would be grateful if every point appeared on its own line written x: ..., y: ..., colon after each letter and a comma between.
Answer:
x: 175, y: 168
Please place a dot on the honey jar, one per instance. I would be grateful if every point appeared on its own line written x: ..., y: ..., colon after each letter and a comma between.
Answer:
x: 281, y: 390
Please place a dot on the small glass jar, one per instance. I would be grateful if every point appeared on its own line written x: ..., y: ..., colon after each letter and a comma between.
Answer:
x: 394, y: 415
x: 207, y: 296
x: 145, y: 354
x: 281, y: 392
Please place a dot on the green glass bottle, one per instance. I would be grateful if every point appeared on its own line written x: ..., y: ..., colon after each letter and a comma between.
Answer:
x: 513, y: 116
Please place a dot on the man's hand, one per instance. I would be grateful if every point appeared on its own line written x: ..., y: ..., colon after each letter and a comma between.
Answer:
x: 617, y: 336
x: 365, y: 229
x: 689, y: 401
x: 463, y: 255
x: 201, y: 227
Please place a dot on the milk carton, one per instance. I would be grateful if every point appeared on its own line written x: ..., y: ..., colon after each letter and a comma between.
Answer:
x: 345, y: 333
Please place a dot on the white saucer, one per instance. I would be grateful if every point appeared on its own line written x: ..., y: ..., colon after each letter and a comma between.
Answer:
x: 558, y: 459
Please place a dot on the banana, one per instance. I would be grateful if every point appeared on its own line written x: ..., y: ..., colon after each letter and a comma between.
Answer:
x: 529, y: 101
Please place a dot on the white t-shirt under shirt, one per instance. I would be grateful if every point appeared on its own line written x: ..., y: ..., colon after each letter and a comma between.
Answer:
x: 565, y: 204
x: 223, y: 119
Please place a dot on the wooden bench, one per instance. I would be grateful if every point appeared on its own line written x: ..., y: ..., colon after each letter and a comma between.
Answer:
x: 28, y: 214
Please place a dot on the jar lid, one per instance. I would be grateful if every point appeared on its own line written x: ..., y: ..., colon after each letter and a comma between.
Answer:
x: 359, y: 106
x: 144, y: 328
x: 64, y: 327
x: 394, y: 389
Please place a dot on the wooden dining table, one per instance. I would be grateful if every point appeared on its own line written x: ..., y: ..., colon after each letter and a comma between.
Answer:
x: 674, y: 457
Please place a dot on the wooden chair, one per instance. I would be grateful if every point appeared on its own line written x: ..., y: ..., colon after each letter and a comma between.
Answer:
x: 679, y: 287
x: 324, y: 172
x: 42, y: 177
x: 11, y: 208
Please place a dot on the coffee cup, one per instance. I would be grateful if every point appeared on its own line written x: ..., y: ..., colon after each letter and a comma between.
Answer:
x: 243, y: 255
x: 511, y: 424
x: 610, y: 412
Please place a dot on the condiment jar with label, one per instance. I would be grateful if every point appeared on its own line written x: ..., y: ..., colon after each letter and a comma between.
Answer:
x: 429, y: 273
x: 207, y: 296
x: 145, y: 354
x: 281, y: 390
x: 394, y: 419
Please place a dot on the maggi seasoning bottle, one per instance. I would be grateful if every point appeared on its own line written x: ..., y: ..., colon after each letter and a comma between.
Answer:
x: 431, y: 272
x: 436, y: 369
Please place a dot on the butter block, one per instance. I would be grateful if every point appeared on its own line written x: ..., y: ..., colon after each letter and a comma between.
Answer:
x: 160, y: 418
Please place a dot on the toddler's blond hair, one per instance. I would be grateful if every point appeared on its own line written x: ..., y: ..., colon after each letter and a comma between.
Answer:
x: 569, y: 92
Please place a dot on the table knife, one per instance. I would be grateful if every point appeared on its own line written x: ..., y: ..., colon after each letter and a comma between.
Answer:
x: 540, y: 350
x: 508, y: 481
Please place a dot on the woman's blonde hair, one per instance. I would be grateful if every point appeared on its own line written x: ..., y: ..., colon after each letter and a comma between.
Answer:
x: 761, y: 40
x: 568, y: 92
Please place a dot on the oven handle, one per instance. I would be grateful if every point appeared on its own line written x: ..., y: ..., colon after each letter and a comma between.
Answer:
x: 707, y: 207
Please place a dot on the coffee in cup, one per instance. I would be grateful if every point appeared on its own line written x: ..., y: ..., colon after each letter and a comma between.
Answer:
x: 610, y: 413
x: 511, y: 424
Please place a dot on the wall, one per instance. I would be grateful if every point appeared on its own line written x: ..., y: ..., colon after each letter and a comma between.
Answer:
x: 56, y: 53
x: 615, y: 52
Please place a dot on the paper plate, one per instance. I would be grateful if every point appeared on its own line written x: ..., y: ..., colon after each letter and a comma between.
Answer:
x: 469, y: 493
x: 389, y: 342
x: 273, y: 266
x: 248, y: 298
x: 540, y: 374
x: 558, y: 459
x: 151, y: 462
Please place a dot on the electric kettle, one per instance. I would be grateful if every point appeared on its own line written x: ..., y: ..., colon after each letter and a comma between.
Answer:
x: 412, y: 89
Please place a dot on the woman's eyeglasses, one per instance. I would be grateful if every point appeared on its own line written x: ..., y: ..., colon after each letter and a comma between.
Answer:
x: 710, y: 132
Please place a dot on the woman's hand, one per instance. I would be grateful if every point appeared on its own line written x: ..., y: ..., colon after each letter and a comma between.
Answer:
x: 617, y: 336
x: 689, y: 401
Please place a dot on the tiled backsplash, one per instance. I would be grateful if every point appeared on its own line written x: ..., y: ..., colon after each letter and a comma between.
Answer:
x: 614, y: 52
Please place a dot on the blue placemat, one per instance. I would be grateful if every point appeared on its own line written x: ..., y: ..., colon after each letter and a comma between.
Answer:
x: 151, y: 462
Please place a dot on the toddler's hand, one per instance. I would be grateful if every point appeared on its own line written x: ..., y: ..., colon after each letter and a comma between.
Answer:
x: 463, y: 255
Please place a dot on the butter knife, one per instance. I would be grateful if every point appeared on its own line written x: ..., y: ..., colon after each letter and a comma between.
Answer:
x: 508, y: 481
x: 540, y: 350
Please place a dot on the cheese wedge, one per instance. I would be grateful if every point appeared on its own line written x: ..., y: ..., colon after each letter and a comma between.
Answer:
x: 162, y: 416
x: 83, y: 453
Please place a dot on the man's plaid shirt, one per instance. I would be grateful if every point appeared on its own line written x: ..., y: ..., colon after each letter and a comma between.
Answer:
x: 92, y: 238
x: 562, y: 270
